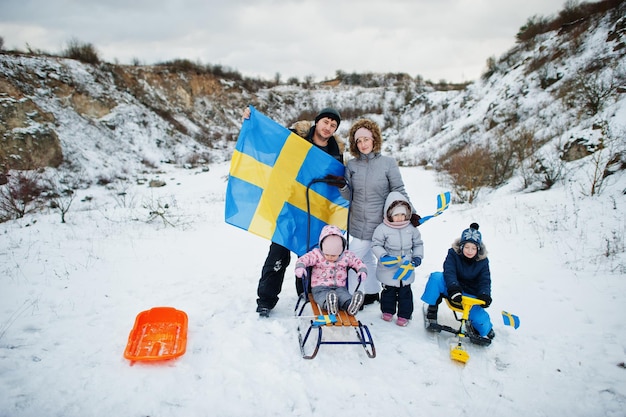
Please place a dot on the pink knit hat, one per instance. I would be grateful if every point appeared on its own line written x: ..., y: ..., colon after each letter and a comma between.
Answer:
x: 332, y: 245
x: 363, y: 132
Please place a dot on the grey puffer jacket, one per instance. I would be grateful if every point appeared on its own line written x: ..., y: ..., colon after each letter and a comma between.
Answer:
x: 396, y: 240
x: 372, y: 177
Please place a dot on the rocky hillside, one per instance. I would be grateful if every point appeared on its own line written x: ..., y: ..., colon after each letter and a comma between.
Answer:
x: 553, y: 98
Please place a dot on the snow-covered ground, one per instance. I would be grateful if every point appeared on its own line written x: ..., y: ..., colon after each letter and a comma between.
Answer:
x: 69, y: 295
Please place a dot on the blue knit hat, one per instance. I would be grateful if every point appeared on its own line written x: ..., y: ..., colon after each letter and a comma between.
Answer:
x: 472, y: 235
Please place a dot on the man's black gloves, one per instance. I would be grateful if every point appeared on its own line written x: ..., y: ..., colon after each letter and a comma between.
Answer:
x: 486, y: 298
x: 415, y: 219
x: 335, y: 180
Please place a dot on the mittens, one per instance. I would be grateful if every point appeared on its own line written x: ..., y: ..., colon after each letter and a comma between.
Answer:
x: 416, y: 261
x: 486, y: 298
x: 300, y: 272
x: 362, y: 275
x: 455, y: 296
x: 389, y: 261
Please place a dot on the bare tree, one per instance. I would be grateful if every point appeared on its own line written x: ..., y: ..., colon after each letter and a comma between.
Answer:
x: 62, y: 193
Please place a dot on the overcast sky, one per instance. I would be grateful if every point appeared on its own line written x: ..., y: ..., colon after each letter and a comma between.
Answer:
x: 437, y: 39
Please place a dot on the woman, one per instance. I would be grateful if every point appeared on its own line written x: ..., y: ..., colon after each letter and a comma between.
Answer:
x: 371, y: 177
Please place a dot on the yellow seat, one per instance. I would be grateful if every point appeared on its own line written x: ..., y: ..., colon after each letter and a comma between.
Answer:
x: 468, y: 303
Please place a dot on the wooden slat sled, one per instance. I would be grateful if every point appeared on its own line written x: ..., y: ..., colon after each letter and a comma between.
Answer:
x: 311, y: 334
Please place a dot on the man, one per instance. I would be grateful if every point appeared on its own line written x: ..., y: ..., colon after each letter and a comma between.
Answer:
x: 321, y: 134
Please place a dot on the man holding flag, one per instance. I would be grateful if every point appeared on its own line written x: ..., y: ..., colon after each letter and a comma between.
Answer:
x: 321, y: 135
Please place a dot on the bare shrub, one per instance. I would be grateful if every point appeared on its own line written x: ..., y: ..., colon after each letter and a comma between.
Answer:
x: 589, y: 92
x: 573, y: 13
x: 524, y: 146
x: 19, y: 195
x: 161, y: 209
x: 504, y: 162
x: 83, y: 52
x: 549, y: 171
x: 492, y: 68
x: 614, y: 244
x: 535, y: 25
x: 123, y: 198
x: 611, y: 148
x: 62, y: 200
x: 61, y: 192
x: 470, y: 171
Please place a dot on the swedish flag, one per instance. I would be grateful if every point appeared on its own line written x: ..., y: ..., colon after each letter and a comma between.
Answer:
x: 324, y: 320
x: 270, y: 170
x: 510, y: 319
x: 443, y: 202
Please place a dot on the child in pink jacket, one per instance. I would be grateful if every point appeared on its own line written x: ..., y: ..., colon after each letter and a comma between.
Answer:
x: 329, y: 272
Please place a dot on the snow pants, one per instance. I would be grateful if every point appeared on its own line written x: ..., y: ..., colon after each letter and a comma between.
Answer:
x: 272, y: 276
x: 363, y: 249
x: 436, y: 287
x: 397, y: 297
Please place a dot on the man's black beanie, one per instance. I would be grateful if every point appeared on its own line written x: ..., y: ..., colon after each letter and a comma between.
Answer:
x: 330, y: 113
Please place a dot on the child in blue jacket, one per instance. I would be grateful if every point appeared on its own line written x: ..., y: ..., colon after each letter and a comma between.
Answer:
x: 465, y: 271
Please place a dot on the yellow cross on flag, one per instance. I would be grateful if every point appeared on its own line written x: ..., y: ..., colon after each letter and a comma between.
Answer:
x: 266, y: 194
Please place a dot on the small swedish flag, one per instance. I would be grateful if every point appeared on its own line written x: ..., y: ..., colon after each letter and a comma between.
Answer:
x: 324, y: 320
x: 510, y: 319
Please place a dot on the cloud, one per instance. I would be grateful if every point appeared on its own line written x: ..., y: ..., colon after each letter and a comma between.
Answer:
x: 442, y: 39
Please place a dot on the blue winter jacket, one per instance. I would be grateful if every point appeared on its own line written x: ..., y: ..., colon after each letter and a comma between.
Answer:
x: 473, y: 276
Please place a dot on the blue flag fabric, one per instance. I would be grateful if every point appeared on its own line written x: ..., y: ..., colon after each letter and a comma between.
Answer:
x: 266, y: 193
x: 324, y: 320
x: 404, y: 271
x: 510, y: 319
x: 443, y: 202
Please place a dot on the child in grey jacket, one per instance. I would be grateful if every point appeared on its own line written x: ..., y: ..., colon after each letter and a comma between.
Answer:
x: 399, y: 249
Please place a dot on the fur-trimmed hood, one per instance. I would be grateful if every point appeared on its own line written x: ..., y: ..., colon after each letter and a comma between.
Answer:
x: 482, y: 252
x: 372, y: 127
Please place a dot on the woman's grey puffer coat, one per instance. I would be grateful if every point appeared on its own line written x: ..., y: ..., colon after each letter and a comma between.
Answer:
x: 372, y: 177
x: 405, y: 242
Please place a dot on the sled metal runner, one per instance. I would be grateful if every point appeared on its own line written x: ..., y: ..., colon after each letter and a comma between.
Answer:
x: 311, y: 332
x: 457, y: 350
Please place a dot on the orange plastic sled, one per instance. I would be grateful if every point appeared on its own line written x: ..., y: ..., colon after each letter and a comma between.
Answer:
x: 158, y: 334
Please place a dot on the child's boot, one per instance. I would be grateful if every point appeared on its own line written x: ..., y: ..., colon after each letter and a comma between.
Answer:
x: 431, y: 312
x: 332, y: 302
x: 431, y: 318
x: 355, y: 303
x: 402, y: 322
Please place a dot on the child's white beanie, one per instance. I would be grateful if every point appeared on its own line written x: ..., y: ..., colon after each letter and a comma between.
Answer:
x: 399, y: 209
